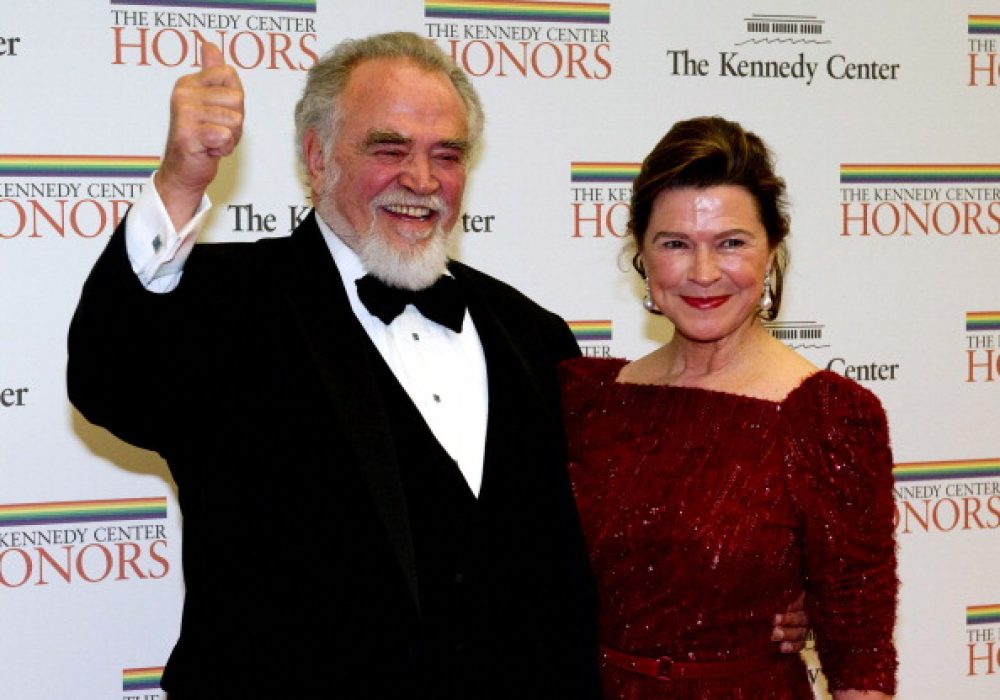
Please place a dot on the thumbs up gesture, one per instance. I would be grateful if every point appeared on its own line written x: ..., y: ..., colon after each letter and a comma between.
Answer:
x: 206, y: 123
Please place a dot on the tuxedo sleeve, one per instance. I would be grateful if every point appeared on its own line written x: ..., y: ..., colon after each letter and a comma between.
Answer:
x: 137, y: 359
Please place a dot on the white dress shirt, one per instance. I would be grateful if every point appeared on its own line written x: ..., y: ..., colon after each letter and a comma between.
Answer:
x: 443, y: 372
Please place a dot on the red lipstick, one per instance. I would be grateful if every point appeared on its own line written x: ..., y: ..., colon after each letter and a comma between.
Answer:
x: 705, y: 303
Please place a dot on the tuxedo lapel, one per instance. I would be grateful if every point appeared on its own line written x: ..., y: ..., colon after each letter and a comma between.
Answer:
x: 514, y: 394
x: 339, y: 347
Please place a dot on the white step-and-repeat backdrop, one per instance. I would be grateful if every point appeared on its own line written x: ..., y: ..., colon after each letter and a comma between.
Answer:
x: 882, y: 115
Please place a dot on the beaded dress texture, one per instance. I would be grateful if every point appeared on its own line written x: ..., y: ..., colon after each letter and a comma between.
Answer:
x: 706, y: 513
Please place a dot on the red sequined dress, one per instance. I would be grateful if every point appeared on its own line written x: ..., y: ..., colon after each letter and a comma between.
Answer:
x: 706, y: 513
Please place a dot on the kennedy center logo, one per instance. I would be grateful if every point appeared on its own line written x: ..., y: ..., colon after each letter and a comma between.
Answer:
x: 781, y: 47
x: 137, y: 680
x: 910, y: 201
x: 82, y: 542
x: 982, y: 346
x: 984, y: 69
x: 68, y: 196
x: 593, y: 337
x: 808, y: 338
x: 784, y: 29
x: 982, y: 623
x: 519, y: 39
x: 600, y: 194
x: 798, y: 335
x: 253, y: 34
x: 947, y: 496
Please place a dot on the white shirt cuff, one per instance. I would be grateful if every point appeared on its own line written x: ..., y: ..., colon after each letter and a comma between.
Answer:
x: 156, y: 251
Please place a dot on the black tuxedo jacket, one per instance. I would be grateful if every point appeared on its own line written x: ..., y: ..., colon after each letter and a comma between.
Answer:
x: 256, y: 383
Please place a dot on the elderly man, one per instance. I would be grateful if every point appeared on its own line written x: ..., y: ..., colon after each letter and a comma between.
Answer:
x: 374, y: 505
x: 365, y: 436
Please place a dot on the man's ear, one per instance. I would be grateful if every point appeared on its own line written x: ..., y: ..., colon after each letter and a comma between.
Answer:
x: 315, y: 157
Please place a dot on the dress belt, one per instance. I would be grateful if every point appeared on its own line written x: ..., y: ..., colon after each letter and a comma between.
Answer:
x: 666, y: 669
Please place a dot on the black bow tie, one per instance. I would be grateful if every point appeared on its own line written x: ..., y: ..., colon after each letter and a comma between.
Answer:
x: 442, y: 302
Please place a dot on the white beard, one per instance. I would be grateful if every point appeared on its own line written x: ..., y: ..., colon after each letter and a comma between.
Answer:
x: 407, y: 270
x: 410, y: 269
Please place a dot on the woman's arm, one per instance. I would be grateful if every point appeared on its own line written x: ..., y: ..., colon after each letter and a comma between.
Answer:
x: 843, y: 480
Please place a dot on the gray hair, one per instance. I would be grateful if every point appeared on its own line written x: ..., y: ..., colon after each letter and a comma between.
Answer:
x: 319, y: 107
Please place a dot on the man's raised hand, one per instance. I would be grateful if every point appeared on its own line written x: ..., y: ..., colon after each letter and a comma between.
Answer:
x: 206, y: 123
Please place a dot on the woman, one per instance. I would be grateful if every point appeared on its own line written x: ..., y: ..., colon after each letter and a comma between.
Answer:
x: 723, y: 474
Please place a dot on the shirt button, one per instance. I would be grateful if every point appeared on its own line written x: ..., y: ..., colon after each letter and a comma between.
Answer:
x: 416, y: 336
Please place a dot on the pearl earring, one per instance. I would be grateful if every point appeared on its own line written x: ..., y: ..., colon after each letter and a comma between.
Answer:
x: 647, y: 301
x: 766, y: 302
